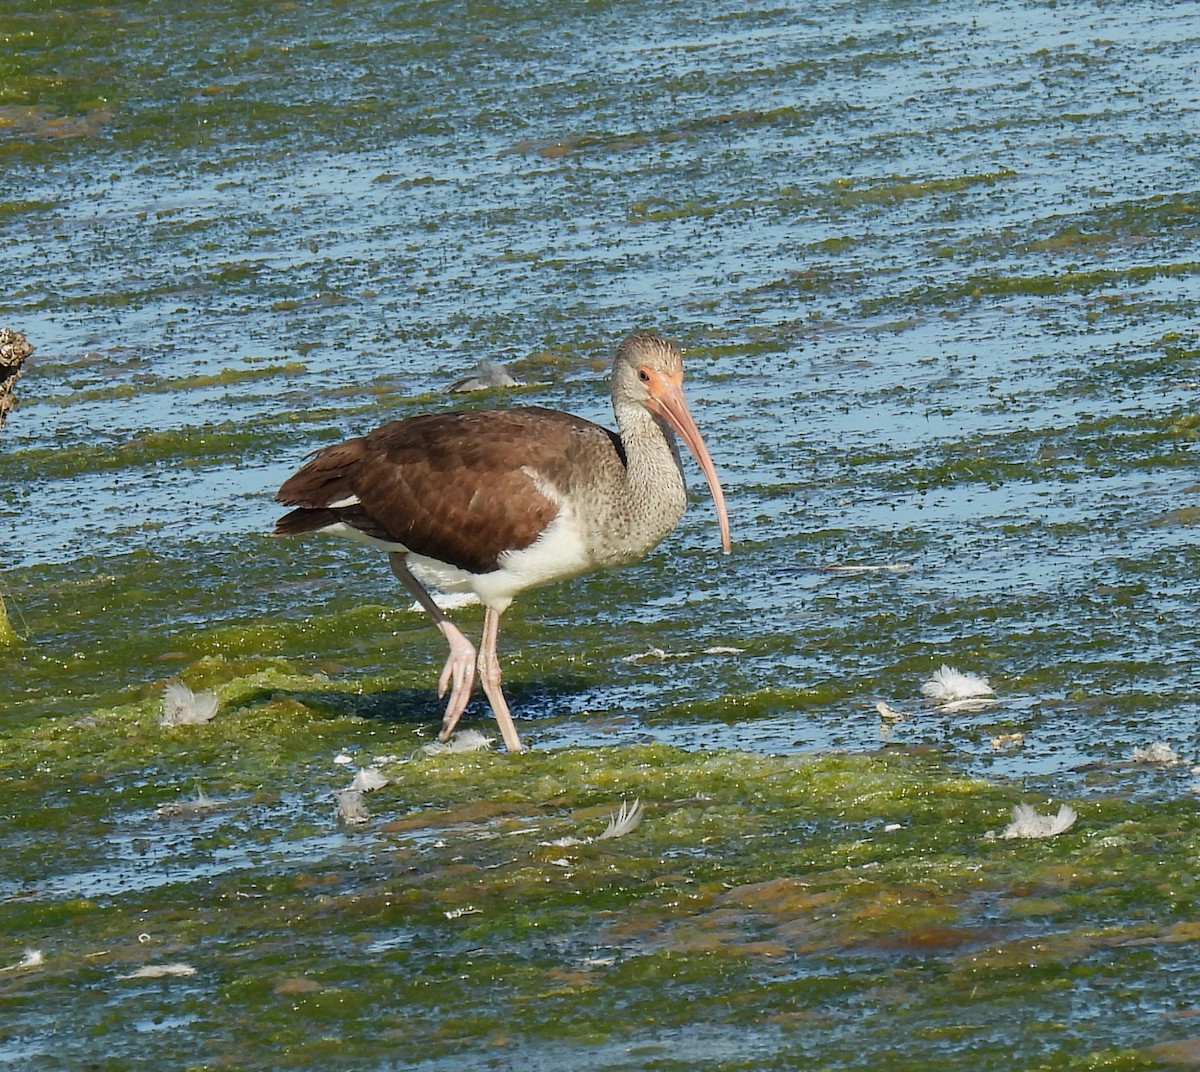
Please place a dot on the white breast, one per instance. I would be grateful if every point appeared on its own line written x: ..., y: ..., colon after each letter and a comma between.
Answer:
x: 558, y: 553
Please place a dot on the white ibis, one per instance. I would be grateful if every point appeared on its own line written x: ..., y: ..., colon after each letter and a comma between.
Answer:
x: 497, y: 501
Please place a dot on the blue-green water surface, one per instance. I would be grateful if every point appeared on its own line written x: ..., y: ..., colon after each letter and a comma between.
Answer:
x: 936, y: 269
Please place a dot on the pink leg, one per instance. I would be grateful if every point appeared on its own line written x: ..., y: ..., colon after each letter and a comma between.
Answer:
x: 459, y: 672
x: 489, y: 678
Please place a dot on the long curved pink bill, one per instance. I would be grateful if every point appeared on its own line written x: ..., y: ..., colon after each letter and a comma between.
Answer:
x: 674, y: 408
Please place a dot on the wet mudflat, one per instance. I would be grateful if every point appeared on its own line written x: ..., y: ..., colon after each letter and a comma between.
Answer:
x: 936, y: 271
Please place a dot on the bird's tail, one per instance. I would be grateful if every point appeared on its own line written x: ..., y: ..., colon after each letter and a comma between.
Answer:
x: 303, y: 519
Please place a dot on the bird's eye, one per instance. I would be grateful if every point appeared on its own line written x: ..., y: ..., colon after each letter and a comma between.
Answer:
x: 643, y: 375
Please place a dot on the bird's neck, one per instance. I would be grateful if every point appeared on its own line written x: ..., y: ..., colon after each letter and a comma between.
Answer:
x: 655, y: 494
x: 651, y: 444
x: 651, y: 453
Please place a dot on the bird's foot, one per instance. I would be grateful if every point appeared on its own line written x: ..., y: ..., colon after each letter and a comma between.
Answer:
x: 458, y: 675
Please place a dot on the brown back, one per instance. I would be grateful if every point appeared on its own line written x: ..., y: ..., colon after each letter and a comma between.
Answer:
x: 459, y: 487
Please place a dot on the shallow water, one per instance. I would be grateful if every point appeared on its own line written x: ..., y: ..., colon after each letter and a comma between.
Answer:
x: 935, y: 270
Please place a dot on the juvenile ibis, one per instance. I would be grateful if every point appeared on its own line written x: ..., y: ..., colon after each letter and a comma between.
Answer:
x: 497, y: 501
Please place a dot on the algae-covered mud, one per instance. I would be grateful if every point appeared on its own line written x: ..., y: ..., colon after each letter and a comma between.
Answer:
x: 935, y: 268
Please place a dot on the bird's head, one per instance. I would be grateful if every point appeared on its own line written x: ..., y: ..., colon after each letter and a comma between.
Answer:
x: 648, y: 370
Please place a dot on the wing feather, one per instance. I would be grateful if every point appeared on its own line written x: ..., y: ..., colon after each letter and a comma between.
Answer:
x: 460, y: 487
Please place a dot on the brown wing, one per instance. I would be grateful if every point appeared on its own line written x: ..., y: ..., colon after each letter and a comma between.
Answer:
x: 458, y: 487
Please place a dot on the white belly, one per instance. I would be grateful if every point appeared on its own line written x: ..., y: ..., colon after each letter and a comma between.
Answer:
x: 557, y: 554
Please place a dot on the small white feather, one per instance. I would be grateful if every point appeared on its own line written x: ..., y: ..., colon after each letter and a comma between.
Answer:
x: 33, y: 958
x: 182, y: 707
x: 1027, y: 823
x: 949, y: 685
x: 368, y: 778
x: 1158, y: 754
x: 625, y: 821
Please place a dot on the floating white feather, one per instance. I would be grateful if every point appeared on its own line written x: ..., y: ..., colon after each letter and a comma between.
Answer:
x: 624, y: 821
x: 1158, y: 754
x: 33, y: 958
x: 182, y: 707
x: 369, y: 778
x: 1027, y: 823
x: 950, y: 686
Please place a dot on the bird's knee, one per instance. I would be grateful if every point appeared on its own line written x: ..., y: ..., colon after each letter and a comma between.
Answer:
x: 489, y: 668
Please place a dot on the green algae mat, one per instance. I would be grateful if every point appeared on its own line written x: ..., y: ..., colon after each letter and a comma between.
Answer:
x: 934, y: 268
x: 202, y: 908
